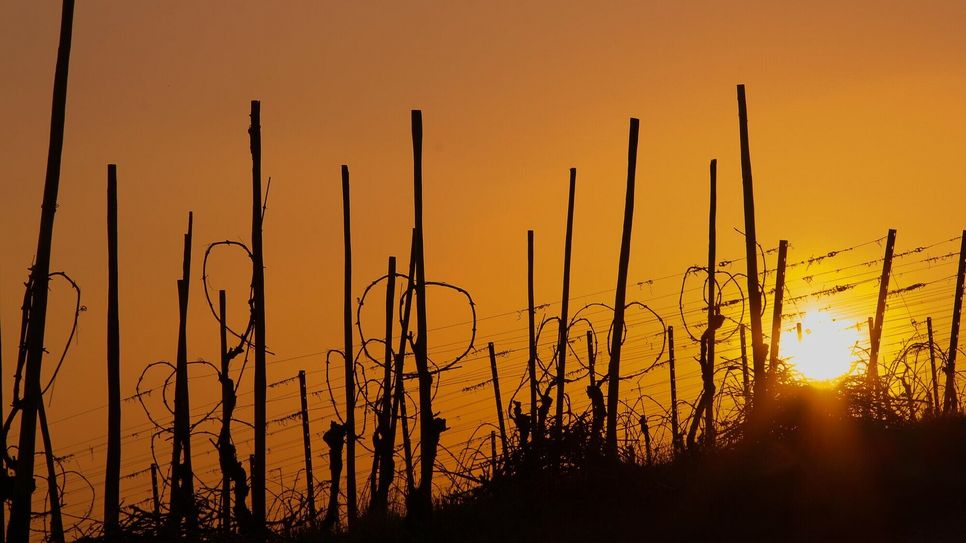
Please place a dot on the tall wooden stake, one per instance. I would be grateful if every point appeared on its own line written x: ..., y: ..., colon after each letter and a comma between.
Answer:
x: 932, y: 367
x: 307, y: 445
x: 20, y: 508
x: 751, y: 251
x: 776, y: 318
x: 614, y: 368
x: 385, y: 412
x: 423, y: 502
x: 182, y: 480
x: 564, y: 316
x: 950, y: 401
x: 712, y: 304
x: 387, y: 471
x: 227, y: 406
x: 258, y: 310
x: 880, y: 313
x: 531, y: 321
x: 350, y: 380
x: 675, y: 429
x: 112, y: 473
x: 496, y: 394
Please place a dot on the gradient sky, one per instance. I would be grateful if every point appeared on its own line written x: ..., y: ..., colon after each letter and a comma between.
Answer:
x: 856, y: 122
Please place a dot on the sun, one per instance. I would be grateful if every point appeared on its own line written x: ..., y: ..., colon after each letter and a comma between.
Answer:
x: 826, y: 349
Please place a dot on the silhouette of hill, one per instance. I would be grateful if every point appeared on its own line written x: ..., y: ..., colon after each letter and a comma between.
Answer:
x: 815, y: 474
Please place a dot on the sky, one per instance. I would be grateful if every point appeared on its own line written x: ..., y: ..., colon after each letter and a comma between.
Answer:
x: 856, y: 117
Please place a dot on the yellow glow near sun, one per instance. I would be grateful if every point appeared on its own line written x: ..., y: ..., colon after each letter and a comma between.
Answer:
x: 826, y: 349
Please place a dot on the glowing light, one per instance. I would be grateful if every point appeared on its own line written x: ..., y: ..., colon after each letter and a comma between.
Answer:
x: 826, y: 350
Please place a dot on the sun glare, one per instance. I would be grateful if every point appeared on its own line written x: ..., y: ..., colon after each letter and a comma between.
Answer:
x: 825, y: 350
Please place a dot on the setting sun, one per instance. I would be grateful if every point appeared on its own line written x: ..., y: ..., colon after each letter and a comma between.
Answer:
x: 826, y: 349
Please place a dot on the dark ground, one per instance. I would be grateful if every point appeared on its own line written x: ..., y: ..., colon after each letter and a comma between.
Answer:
x: 822, y: 477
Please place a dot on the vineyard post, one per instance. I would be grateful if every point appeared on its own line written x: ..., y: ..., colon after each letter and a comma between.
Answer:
x: 258, y: 316
x: 226, y: 407
x: 386, y: 472
x: 350, y: 381
x: 496, y: 394
x: 675, y: 431
x: 182, y: 481
x: 20, y: 508
x: 112, y: 474
x: 564, y: 319
x: 617, y: 337
x: 532, y: 338
x: 712, y: 305
x: 423, y: 500
x: 873, y: 376
x: 751, y: 251
x: 932, y: 367
x: 776, y: 319
x: 307, y: 445
x: 385, y: 414
x: 950, y: 402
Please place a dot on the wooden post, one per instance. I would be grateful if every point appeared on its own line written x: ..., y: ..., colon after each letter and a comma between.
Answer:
x: 798, y: 330
x: 751, y: 251
x: 182, y: 481
x: 112, y: 474
x: 776, y: 319
x: 932, y: 367
x: 744, y: 364
x: 307, y: 445
x: 387, y: 471
x: 227, y: 406
x: 531, y: 318
x: 950, y: 401
x: 564, y: 317
x: 20, y: 508
x: 350, y: 380
x: 155, y: 496
x: 258, y: 316
x: 675, y: 431
x: 496, y: 394
x: 873, y: 375
x: 712, y: 305
x: 422, y: 505
x: 614, y: 368
x: 383, y: 448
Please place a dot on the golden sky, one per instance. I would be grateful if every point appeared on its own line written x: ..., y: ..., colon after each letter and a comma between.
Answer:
x: 856, y: 124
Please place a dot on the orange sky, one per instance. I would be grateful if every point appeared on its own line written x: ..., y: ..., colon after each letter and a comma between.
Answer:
x: 856, y: 117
